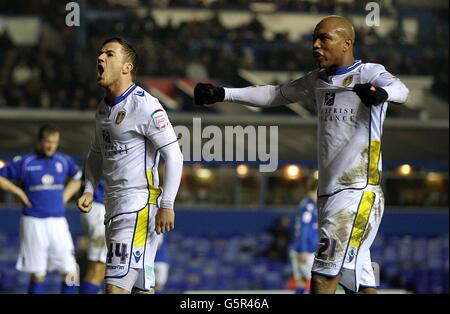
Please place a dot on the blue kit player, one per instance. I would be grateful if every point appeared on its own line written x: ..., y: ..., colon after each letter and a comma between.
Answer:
x: 45, y: 240
x: 161, y: 264
x: 306, y: 238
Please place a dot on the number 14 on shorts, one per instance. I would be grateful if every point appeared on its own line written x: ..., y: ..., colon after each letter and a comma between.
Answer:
x: 118, y: 250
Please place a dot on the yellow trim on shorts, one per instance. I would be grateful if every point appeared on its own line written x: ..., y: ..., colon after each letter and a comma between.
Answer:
x: 362, y: 217
x: 140, y: 235
x: 374, y: 173
x: 154, y: 191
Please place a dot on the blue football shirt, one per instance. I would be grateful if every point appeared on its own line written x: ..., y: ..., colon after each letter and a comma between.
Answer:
x: 42, y: 180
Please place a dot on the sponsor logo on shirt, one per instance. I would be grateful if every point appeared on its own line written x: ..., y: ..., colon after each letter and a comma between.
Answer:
x: 47, y: 179
x: 329, y: 99
x: 307, y: 216
x: 113, y: 150
x: 47, y: 184
x: 160, y: 119
x: 114, y: 267
x: 324, y: 264
x: 106, y: 136
x: 338, y: 114
x: 351, y: 254
x: 137, y: 256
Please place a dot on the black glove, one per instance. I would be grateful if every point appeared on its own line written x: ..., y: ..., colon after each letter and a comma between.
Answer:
x: 370, y: 97
x: 208, y: 94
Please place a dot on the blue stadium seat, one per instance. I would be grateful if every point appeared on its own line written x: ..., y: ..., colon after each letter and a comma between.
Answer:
x: 233, y: 263
x: 422, y: 281
x: 405, y: 248
x: 419, y: 249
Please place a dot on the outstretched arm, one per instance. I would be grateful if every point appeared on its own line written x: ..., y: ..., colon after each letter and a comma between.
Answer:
x: 257, y: 96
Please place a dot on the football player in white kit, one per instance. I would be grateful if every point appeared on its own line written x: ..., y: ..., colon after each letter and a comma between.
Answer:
x: 351, y: 99
x: 132, y: 130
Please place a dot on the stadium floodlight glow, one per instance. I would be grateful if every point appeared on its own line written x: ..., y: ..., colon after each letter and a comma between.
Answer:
x: 2, y: 163
x: 434, y: 178
x: 404, y: 170
x: 203, y: 175
x: 242, y: 171
x: 291, y: 172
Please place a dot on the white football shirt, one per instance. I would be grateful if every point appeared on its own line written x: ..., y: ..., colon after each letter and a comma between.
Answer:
x: 349, y: 132
x: 128, y: 135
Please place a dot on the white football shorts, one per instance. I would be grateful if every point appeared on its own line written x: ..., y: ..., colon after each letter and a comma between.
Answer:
x: 301, y: 271
x: 45, y: 245
x: 349, y: 222
x: 161, y: 273
x: 94, y: 227
x: 132, y: 242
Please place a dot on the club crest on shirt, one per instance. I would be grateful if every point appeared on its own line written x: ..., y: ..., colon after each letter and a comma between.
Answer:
x: 120, y: 116
x: 59, y: 167
x: 347, y: 81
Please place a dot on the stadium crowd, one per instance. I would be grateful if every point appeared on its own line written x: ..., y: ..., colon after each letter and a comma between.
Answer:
x: 59, y: 76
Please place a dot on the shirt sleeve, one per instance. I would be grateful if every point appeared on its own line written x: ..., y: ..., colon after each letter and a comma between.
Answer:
x: 72, y: 169
x: 272, y: 95
x: 173, y: 158
x: 95, y: 145
x: 13, y: 169
x: 93, y: 167
x: 377, y: 75
x: 155, y: 125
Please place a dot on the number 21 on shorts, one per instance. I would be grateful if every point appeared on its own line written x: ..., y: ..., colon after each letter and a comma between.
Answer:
x: 327, y: 249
